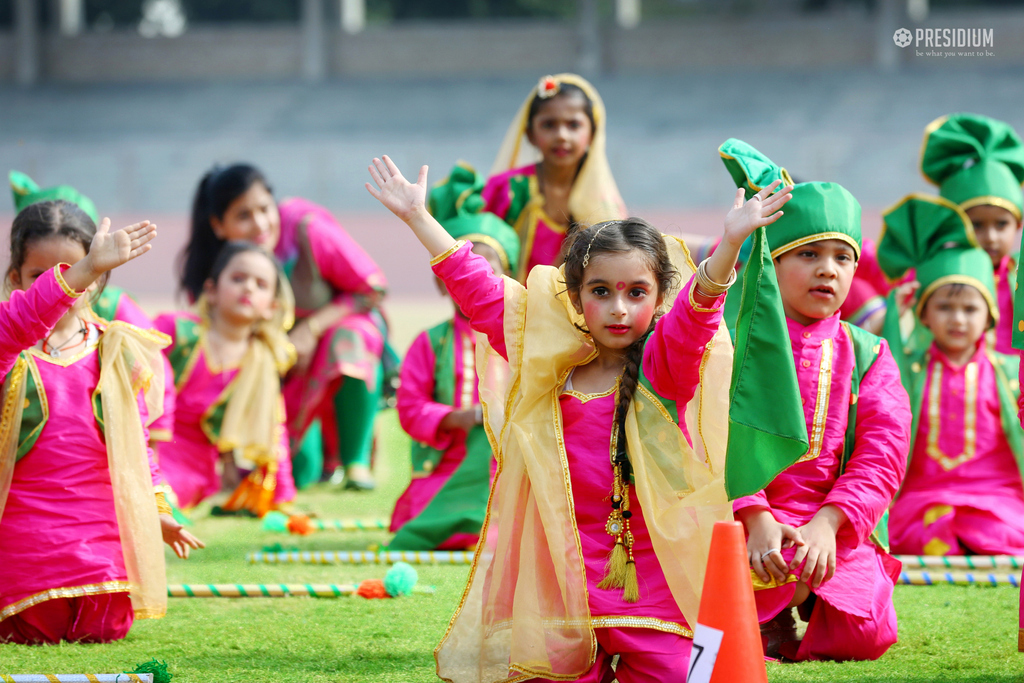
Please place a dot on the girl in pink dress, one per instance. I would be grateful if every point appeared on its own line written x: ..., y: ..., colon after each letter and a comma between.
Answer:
x: 814, y: 538
x: 80, y: 525
x: 609, y: 414
x: 552, y: 170
x: 228, y: 364
x: 340, y: 332
x: 962, y: 493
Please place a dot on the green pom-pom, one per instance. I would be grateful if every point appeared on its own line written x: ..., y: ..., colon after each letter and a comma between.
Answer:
x: 155, y: 667
x: 275, y: 521
x: 400, y: 579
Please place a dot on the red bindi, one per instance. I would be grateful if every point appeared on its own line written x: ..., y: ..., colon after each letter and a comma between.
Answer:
x: 620, y: 285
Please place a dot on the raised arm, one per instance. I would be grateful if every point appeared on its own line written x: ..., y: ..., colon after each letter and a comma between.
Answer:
x: 471, y: 282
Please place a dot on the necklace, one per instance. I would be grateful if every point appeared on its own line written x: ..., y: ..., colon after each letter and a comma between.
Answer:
x: 55, y: 350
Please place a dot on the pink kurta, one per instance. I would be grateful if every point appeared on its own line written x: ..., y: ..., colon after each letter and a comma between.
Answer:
x: 962, y: 494
x: 420, y: 416
x: 353, y: 347
x: 189, y: 462
x: 59, y: 537
x: 587, y: 422
x: 854, y: 617
x: 540, y: 234
x: 1004, y: 299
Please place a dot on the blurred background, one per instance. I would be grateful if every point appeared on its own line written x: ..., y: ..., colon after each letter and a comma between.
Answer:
x: 131, y: 101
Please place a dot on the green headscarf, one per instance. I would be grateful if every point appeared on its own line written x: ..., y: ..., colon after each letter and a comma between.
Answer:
x: 27, y: 192
x: 975, y: 161
x: 457, y: 204
x: 935, y: 237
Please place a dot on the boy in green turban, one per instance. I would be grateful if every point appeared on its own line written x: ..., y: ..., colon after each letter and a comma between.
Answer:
x: 978, y: 164
x: 962, y: 494
x: 819, y: 427
x: 438, y: 399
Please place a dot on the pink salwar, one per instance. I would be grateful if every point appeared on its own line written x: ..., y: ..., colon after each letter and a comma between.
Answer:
x: 977, y: 505
x: 844, y: 624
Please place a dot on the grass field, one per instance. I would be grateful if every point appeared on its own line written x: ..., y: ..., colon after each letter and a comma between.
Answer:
x: 949, y: 634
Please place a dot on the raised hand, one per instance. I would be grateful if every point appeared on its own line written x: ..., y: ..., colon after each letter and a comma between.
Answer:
x: 110, y: 250
x: 402, y: 198
x: 408, y: 201
x: 764, y: 208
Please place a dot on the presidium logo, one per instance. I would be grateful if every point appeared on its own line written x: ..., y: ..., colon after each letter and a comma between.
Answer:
x: 959, y: 38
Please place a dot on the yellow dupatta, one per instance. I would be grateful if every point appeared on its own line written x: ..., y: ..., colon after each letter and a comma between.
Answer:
x: 254, y: 410
x: 525, y: 610
x: 595, y: 196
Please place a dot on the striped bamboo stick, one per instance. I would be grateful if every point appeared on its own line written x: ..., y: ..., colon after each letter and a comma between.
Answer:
x: 919, y: 577
x: 268, y: 590
x: 363, y: 557
x: 375, y: 524
x: 76, y: 678
x: 961, y: 561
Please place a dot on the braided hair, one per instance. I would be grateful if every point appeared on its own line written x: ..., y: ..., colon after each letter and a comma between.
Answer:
x: 621, y: 237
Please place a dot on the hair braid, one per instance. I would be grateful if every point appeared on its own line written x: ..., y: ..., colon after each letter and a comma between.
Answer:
x: 627, y: 389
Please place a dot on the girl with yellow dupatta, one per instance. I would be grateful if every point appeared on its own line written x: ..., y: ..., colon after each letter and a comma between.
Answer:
x: 228, y: 363
x: 552, y: 170
x: 80, y: 524
x: 610, y: 437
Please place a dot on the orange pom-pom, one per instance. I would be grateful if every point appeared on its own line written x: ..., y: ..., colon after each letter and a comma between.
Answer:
x: 372, y: 588
x: 300, y: 524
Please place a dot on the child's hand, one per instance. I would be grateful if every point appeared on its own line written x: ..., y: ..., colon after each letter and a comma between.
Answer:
x: 112, y: 249
x: 462, y: 420
x: 766, y: 538
x: 108, y: 251
x: 905, y: 295
x: 177, y: 537
x: 819, y: 548
x: 401, y: 197
x: 761, y: 209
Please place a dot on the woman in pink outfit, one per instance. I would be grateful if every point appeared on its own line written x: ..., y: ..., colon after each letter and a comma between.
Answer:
x: 600, y: 422
x: 80, y: 523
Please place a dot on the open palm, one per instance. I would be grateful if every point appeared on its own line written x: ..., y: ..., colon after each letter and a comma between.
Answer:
x: 402, y: 198
x: 112, y: 249
x: 761, y: 209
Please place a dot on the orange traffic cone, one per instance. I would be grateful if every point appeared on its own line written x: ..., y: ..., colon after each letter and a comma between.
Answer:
x: 727, y: 639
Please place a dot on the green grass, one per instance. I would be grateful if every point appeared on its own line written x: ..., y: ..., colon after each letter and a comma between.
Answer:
x: 954, y: 634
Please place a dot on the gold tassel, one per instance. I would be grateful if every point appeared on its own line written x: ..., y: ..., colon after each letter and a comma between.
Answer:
x: 615, y: 570
x: 631, y: 588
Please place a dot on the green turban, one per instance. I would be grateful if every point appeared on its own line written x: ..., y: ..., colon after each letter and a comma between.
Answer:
x: 457, y: 204
x: 817, y: 211
x: 935, y: 237
x: 975, y: 161
x: 27, y: 192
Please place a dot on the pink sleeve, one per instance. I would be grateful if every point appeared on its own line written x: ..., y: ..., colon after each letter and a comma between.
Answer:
x: 673, y: 352
x: 1020, y: 396
x: 879, y: 460
x: 477, y: 291
x: 285, y: 491
x: 30, y: 315
x: 340, y: 259
x: 496, y: 195
x: 418, y: 413
x: 154, y: 468
x: 759, y: 499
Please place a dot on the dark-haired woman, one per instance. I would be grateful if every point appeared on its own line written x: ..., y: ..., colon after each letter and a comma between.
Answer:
x: 339, y: 333
x: 552, y: 170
